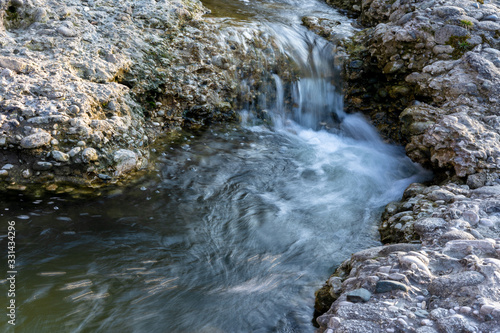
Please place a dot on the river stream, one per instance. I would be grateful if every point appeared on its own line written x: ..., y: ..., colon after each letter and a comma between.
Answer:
x: 239, y: 225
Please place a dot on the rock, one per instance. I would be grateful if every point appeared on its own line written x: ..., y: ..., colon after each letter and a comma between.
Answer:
x: 455, y: 234
x: 393, y: 66
x: 36, y: 140
x: 421, y: 313
x: 13, y: 64
x: 42, y: 166
x: 126, y: 161
x: 489, y: 26
x: 384, y: 286
x: 8, y: 167
x: 59, y: 156
x: 67, y: 32
x: 487, y: 309
x: 26, y: 174
x: 446, y: 285
x: 476, y: 180
x: 438, y: 49
x: 445, y: 33
x: 491, y: 17
x: 428, y: 225
x: 73, y: 152
x: 447, y: 11
x: 4, y: 173
x: 397, y: 276
x: 359, y: 295
x: 455, y: 323
x: 89, y: 155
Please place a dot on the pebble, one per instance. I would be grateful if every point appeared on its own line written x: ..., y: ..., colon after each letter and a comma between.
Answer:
x: 26, y: 173
x: 4, y: 173
x: 60, y: 156
x: 89, y: 155
x: 8, y: 167
x: 384, y: 286
x: 426, y: 322
x: 42, y: 166
x: 421, y: 313
x: 491, y: 17
x: 67, y: 32
x: 359, y: 295
x: 487, y: 309
x: 402, y: 322
x: 36, y: 140
x: 396, y: 276
x: 465, y: 309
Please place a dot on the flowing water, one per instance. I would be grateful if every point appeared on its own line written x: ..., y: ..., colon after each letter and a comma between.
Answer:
x: 238, y: 227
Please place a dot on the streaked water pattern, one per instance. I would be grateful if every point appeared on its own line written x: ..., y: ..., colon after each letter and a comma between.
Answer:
x: 237, y: 228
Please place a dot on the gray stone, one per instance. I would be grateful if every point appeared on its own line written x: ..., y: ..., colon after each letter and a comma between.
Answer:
x: 441, y: 194
x: 126, y: 161
x: 421, y: 313
x: 491, y: 17
x: 426, y: 329
x: 449, y: 284
x: 488, y: 25
x: 8, y: 167
x: 59, y: 156
x: 13, y: 64
x: 455, y: 323
x: 447, y: 11
x: 89, y: 154
x: 67, y: 32
x: 429, y: 224
x: 73, y: 152
x: 36, y: 140
x: 42, y: 166
x: 4, y: 173
x: 359, y: 295
x: 384, y: 286
x: 476, y: 180
x: 397, y: 276
x: 445, y: 33
x: 438, y: 49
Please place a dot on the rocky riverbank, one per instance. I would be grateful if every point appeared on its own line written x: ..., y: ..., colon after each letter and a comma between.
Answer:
x: 428, y: 74
x: 87, y: 86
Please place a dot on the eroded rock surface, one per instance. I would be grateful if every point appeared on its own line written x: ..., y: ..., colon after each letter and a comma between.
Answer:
x: 80, y: 80
x: 428, y: 74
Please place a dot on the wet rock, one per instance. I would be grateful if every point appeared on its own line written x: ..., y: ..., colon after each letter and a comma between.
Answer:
x: 358, y: 295
x: 385, y: 286
x: 126, y: 161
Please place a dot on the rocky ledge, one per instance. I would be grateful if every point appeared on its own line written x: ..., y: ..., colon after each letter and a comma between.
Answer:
x: 428, y: 75
x: 87, y: 86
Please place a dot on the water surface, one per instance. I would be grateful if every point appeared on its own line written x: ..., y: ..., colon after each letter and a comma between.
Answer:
x: 238, y: 226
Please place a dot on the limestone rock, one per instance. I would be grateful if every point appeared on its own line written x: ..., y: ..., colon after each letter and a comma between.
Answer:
x: 37, y: 140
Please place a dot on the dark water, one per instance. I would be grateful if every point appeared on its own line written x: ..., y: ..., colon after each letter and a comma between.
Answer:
x: 233, y: 233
